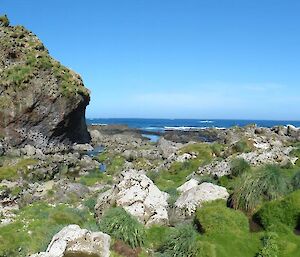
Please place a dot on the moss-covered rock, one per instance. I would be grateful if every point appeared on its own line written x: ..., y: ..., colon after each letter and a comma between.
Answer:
x: 40, y: 99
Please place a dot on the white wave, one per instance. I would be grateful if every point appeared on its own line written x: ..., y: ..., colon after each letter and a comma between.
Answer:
x: 152, y: 128
x: 206, y: 121
x: 99, y: 124
x: 185, y: 128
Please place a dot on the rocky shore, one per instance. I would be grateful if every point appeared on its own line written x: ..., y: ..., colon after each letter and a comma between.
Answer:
x: 68, y: 190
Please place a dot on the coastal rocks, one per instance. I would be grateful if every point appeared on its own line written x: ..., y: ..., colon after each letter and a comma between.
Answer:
x: 167, y: 148
x: 194, y: 195
x: 275, y: 155
x: 82, y: 147
x: 66, y: 191
x: 76, y: 242
x: 293, y: 132
x: 138, y: 195
x: 216, y: 168
x: 185, y: 157
x: 41, y: 101
x: 28, y: 150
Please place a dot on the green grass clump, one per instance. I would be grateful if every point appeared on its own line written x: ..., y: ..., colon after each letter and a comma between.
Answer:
x: 243, y: 146
x: 252, y: 188
x: 121, y: 225
x: 11, y: 172
x: 182, y: 241
x: 295, y: 182
x: 17, y: 75
x: 114, y: 162
x: 238, y: 167
x: 94, y: 177
x: 270, y: 246
x: 4, y: 21
x: 36, y: 224
x: 285, y: 212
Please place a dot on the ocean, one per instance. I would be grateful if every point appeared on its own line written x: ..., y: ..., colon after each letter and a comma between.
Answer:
x: 161, y: 125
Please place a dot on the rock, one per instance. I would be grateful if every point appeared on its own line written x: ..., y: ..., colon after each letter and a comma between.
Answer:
x: 47, y: 102
x: 1, y: 149
x: 96, y: 136
x: 186, y: 156
x: 188, y: 185
x: 82, y: 147
x: 189, y: 200
x: 293, y: 132
x: 138, y: 195
x: 76, y: 242
x: 131, y: 155
x: 87, y: 163
x: 28, y: 150
x: 65, y: 191
x: 216, y: 168
x: 167, y: 148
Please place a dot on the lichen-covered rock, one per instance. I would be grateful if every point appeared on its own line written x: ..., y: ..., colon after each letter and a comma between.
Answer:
x: 77, y: 242
x: 189, y: 200
x: 138, y: 195
x: 41, y: 101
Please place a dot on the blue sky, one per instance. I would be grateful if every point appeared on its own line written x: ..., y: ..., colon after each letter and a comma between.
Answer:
x: 175, y: 58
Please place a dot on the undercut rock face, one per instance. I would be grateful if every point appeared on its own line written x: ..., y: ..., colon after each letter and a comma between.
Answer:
x: 41, y: 101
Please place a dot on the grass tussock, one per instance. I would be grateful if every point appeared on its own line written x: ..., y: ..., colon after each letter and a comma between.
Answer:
x: 121, y: 225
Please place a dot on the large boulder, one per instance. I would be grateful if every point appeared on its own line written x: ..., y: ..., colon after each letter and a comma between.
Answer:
x: 194, y: 196
x: 138, y: 195
x: 76, y: 242
x: 41, y: 101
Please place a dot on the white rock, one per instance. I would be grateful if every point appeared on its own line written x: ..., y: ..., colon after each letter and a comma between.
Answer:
x: 77, y: 242
x: 82, y: 147
x: 138, y: 195
x: 188, y: 185
x: 189, y: 200
x: 184, y: 157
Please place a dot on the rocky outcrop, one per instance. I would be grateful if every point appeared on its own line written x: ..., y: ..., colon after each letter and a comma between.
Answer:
x: 76, y: 242
x: 138, y: 195
x: 193, y: 196
x: 41, y: 101
x: 167, y: 148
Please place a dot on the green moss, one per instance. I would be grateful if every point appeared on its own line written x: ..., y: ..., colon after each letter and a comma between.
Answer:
x: 281, y: 212
x: 94, y: 177
x: 17, y: 75
x: 36, y: 224
x: 11, y: 172
x: 156, y: 235
x: 227, y: 231
x: 114, y: 162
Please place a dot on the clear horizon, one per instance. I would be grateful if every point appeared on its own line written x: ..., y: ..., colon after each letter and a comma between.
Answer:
x: 219, y: 59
